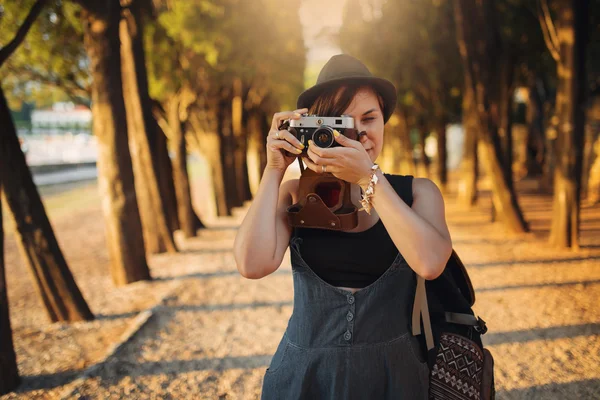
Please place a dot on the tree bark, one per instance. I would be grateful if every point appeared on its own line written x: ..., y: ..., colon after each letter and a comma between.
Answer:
x: 265, y: 121
x: 158, y: 237
x: 535, y: 152
x: 239, y: 119
x: 227, y: 154
x: 166, y: 180
x: 256, y: 145
x: 570, y: 109
x: 209, y: 145
x: 116, y: 183
x: 9, y: 372
x: 53, y: 280
x: 479, y: 44
x: 185, y: 211
x: 593, y: 188
x: 423, y: 162
x: 469, y: 168
x: 442, y: 151
x: 506, y: 120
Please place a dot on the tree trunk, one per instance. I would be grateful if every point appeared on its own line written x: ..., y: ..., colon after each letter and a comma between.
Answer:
x: 185, y: 211
x: 141, y: 125
x: 166, y: 180
x: 255, y: 146
x: 115, y: 180
x: 239, y: 124
x: 467, y: 191
x: 265, y: 121
x: 570, y: 108
x: 209, y: 146
x: 407, y: 160
x: 479, y: 44
x: 9, y: 372
x: 535, y: 152
x: 591, y: 138
x: 593, y: 188
x: 506, y: 120
x: 227, y: 155
x: 390, y: 158
x: 423, y: 162
x: 53, y: 280
x: 442, y: 151
x: 212, y: 143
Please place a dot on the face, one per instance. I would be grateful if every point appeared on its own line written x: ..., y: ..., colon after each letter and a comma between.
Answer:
x: 368, y: 117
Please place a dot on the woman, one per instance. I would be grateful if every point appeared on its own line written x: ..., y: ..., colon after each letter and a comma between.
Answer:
x: 349, y: 336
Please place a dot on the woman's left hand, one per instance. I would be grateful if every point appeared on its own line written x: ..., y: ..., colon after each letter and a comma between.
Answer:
x: 349, y: 162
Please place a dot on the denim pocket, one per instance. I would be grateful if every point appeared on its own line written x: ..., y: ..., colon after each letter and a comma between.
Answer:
x: 279, y: 356
x: 417, y: 349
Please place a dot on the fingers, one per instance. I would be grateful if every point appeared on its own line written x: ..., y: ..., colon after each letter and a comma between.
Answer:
x: 318, y: 168
x: 345, y: 141
x: 287, y: 136
x: 282, y: 144
x: 283, y: 115
x: 317, y: 154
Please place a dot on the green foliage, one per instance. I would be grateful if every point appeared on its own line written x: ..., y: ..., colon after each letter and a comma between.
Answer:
x: 207, y: 43
x: 412, y: 43
x: 50, y: 65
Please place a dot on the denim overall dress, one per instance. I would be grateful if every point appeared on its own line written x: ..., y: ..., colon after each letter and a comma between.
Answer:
x: 340, y: 345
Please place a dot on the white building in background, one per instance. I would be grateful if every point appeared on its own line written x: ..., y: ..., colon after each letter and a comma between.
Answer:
x: 62, y: 114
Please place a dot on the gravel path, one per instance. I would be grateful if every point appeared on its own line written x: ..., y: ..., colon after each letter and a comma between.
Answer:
x: 213, y: 334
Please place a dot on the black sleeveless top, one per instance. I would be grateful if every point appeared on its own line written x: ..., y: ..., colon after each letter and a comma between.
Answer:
x: 356, y: 259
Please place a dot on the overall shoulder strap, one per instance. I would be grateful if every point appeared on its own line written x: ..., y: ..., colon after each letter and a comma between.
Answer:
x: 402, y: 184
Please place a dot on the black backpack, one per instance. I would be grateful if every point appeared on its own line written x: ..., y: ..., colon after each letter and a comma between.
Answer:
x: 442, y: 310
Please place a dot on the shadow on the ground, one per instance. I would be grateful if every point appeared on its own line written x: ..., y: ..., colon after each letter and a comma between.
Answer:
x: 108, y: 317
x: 555, y: 260
x: 113, y: 371
x: 30, y: 383
x: 554, y: 332
x: 227, y: 307
x: 216, y: 274
x: 585, y: 389
x: 536, y: 285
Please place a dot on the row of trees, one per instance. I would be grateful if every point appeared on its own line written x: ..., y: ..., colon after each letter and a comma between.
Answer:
x: 155, y: 72
x: 463, y: 60
x: 206, y: 75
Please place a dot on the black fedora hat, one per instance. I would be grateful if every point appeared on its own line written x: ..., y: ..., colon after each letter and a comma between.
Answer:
x: 343, y: 68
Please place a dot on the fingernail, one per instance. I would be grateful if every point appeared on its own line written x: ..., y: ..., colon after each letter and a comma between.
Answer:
x: 296, y: 115
x: 336, y: 133
x: 301, y: 146
x: 310, y: 142
x: 298, y: 151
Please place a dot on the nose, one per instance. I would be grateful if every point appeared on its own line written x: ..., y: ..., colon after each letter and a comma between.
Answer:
x: 362, y: 136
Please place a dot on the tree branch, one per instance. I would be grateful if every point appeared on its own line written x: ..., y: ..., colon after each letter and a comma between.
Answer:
x: 159, y: 115
x: 7, y: 50
x: 548, y: 29
x: 72, y: 88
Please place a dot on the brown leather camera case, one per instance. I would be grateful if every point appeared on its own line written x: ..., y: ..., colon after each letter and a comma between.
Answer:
x: 312, y: 212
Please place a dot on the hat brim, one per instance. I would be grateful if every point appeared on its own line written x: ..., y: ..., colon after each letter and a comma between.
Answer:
x: 385, y: 88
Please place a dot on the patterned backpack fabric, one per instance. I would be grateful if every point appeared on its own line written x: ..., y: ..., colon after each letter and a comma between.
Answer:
x: 460, y: 368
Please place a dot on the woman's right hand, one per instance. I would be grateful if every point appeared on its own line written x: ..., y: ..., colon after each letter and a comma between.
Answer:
x: 280, y: 140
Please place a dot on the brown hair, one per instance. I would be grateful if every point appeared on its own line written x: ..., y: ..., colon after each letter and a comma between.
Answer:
x: 326, y: 104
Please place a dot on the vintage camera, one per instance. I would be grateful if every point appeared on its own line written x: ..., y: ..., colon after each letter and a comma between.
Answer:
x: 319, y: 130
x: 323, y: 200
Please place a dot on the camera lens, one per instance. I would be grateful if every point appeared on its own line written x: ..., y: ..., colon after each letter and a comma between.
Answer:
x: 323, y: 137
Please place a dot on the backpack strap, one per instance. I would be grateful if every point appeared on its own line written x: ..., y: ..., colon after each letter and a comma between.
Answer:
x: 421, y: 309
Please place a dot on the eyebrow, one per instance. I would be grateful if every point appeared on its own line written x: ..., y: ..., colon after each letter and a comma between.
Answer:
x: 370, y: 111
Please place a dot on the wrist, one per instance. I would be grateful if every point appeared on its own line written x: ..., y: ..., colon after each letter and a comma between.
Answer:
x: 275, y: 173
x: 369, y: 189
